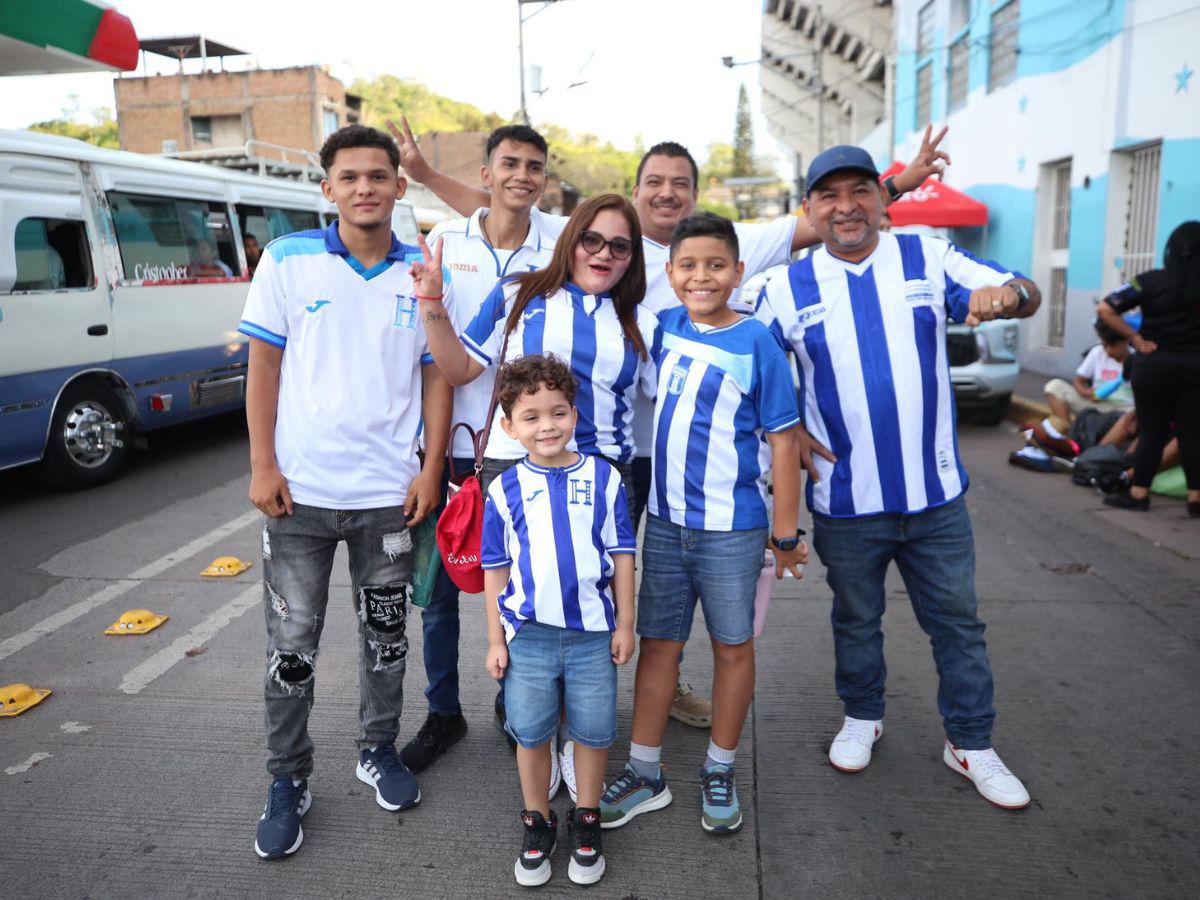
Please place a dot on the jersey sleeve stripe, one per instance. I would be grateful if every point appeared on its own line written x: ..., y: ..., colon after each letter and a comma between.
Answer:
x: 257, y: 331
x: 782, y: 426
x: 475, y: 351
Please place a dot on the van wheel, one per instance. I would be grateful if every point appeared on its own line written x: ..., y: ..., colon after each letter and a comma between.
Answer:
x: 993, y: 413
x: 87, y: 439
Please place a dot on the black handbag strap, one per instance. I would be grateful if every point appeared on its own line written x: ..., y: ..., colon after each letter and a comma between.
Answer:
x: 479, y: 439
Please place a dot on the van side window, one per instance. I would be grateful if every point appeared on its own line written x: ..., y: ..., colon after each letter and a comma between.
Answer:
x: 52, y: 255
x: 168, y: 239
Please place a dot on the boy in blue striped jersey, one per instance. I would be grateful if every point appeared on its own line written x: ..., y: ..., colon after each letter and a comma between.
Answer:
x: 557, y: 553
x: 723, y: 387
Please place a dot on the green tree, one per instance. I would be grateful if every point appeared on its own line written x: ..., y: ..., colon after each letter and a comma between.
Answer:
x: 96, y: 127
x: 719, y: 164
x: 743, y: 137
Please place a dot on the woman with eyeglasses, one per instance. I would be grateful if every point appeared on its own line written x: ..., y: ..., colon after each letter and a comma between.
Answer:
x: 584, y: 307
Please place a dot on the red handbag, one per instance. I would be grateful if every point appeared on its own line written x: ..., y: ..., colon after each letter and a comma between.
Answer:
x: 460, y: 526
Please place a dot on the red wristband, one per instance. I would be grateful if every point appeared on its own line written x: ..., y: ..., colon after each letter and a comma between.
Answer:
x: 438, y: 297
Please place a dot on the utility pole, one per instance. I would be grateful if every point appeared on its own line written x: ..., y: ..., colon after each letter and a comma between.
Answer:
x: 818, y: 66
x: 521, y: 60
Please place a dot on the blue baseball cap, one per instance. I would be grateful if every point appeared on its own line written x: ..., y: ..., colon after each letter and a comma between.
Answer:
x: 843, y: 157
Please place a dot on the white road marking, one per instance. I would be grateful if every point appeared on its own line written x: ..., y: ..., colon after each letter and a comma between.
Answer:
x: 74, y: 728
x: 119, y: 588
x: 162, y: 661
x: 28, y: 764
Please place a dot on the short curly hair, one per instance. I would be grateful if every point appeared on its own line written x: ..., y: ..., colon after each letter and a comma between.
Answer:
x: 529, y: 373
x: 358, y: 136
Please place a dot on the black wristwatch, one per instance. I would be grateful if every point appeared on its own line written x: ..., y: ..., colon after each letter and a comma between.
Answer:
x: 889, y: 184
x: 1022, y: 293
x: 787, y: 545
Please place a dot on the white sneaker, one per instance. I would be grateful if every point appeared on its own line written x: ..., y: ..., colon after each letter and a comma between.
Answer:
x: 566, y: 765
x: 991, y: 776
x: 851, y: 749
x: 555, y: 771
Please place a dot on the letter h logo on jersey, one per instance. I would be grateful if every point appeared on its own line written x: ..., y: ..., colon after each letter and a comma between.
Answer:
x: 406, y: 312
x: 581, y: 492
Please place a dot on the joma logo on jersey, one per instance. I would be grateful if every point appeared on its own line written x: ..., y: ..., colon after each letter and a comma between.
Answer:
x: 406, y: 312
x: 464, y: 267
x: 810, y: 314
x: 581, y: 492
x: 675, y: 382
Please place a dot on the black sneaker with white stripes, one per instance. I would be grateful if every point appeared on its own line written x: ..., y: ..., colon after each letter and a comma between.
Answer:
x: 533, y: 865
x: 587, y: 856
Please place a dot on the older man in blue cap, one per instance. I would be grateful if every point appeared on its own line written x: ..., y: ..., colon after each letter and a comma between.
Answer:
x: 866, y: 316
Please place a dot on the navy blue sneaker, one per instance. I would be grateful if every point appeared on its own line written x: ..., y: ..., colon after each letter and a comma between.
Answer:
x: 279, y: 832
x: 395, y: 786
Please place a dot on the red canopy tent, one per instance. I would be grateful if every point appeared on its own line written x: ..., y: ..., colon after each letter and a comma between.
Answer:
x: 936, y: 204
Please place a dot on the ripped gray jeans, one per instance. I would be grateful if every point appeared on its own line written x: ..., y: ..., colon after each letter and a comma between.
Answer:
x: 297, y: 561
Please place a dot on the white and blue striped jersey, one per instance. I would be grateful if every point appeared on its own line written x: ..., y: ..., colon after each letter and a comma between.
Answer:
x: 870, y: 345
x: 720, y: 389
x: 474, y: 267
x: 584, y: 331
x: 353, y: 344
x: 557, y: 531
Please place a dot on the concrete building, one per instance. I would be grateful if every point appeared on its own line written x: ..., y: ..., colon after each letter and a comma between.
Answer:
x: 1077, y: 122
x: 826, y: 63
x: 294, y: 107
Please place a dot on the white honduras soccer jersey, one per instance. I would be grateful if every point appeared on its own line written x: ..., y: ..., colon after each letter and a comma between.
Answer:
x: 760, y: 246
x: 558, y: 530
x: 350, y: 384
x: 870, y: 341
x: 719, y: 390
x: 584, y: 331
x: 474, y: 267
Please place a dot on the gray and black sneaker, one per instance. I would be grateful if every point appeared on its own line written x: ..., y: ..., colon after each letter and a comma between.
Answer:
x: 533, y: 865
x: 587, y: 856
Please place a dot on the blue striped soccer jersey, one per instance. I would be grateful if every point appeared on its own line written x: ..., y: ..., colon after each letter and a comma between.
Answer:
x: 557, y: 529
x: 720, y: 390
x: 584, y: 331
x: 870, y: 346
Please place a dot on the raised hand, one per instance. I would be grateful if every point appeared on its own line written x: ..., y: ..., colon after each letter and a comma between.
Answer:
x: 427, y: 274
x: 929, y: 161
x: 987, y: 303
x: 411, y: 157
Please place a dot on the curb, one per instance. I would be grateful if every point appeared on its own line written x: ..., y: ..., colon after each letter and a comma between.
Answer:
x: 1023, y: 410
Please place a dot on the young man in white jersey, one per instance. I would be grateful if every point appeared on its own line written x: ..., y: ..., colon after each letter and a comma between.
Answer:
x: 340, y: 384
x: 865, y: 315
x: 494, y: 242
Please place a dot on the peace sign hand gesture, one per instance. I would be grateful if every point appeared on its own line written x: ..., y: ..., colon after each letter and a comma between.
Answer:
x: 427, y: 274
x: 411, y: 158
x: 929, y: 162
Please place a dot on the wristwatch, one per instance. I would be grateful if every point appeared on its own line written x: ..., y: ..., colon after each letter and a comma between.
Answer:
x: 1022, y: 293
x: 889, y: 184
x: 787, y: 545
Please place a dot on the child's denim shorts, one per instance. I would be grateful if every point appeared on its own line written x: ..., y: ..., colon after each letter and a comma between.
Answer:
x: 548, y: 666
x: 680, y: 564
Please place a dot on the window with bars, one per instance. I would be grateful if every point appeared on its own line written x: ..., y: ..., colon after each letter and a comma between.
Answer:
x: 957, y: 76
x: 1141, y: 214
x: 960, y: 15
x: 1057, y: 310
x: 1061, y: 232
x: 924, y: 96
x: 925, y: 29
x: 1002, y: 54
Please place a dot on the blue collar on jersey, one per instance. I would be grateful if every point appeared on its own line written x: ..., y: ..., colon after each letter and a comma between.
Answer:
x: 533, y: 237
x: 575, y: 289
x: 333, y: 244
x: 544, y: 470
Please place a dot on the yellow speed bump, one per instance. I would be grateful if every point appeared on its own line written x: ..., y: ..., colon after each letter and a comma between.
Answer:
x: 136, y: 621
x: 226, y: 567
x: 16, y: 698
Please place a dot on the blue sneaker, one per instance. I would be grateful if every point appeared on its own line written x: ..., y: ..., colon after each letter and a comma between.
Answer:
x: 395, y: 786
x: 718, y: 794
x: 279, y: 832
x: 631, y: 795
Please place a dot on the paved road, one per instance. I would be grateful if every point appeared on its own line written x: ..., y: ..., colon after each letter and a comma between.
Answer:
x: 141, y: 776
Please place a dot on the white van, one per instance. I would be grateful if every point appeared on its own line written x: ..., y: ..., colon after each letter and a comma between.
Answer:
x: 122, y: 280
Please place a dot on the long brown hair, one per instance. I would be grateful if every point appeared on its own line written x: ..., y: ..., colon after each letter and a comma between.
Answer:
x: 626, y: 293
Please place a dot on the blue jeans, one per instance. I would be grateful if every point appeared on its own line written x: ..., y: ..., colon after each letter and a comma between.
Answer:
x: 682, y: 565
x: 935, y: 552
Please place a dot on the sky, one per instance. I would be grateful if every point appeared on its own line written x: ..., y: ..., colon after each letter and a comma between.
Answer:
x: 651, y: 67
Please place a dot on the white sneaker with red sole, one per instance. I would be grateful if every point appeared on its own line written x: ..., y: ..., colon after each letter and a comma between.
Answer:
x: 851, y: 749
x: 991, y: 776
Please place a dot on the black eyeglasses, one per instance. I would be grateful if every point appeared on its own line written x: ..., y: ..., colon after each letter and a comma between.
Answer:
x: 593, y: 242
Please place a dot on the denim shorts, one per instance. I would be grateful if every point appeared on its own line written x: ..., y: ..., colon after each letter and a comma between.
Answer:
x: 549, y: 667
x: 681, y: 565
